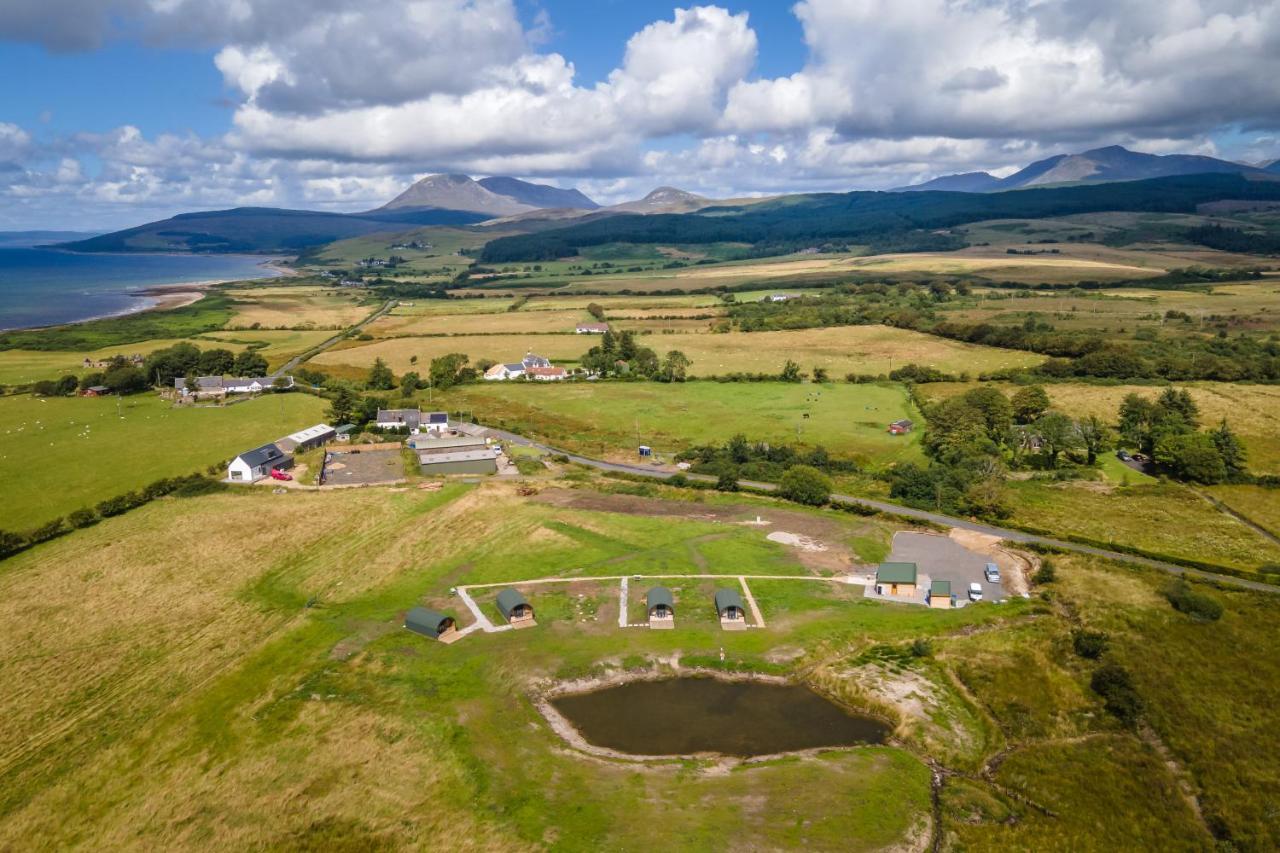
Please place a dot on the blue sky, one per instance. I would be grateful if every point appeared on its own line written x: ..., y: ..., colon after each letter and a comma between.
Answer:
x: 129, y: 110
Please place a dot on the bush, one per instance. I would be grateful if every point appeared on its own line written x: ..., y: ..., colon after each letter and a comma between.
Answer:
x: 1269, y: 569
x: 1089, y: 644
x: 921, y: 648
x: 1197, y: 605
x: 82, y: 518
x: 1045, y: 574
x: 678, y: 480
x: 114, y: 506
x: 1114, y: 684
x: 726, y: 482
x: 45, y: 532
x: 805, y: 485
x: 10, y: 543
x: 195, y: 485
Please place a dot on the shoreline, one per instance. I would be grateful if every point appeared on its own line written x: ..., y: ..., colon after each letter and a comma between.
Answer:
x: 168, y: 296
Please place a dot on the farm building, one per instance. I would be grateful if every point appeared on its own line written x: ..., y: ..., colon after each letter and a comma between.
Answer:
x: 515, y: 609
x: 253, y: 465
x: 661, y: 608
x: 219, y: 385
x: 531, y: 360
x: 399, y: 419
x: 940, y: 596
x: 306, y: 439
x: 547, y: 374
x: 733, y: 617
x: 503, y: 372
x: 592, y: 328
x: 431, y: 624
x: 896, y: 579
x: 95, y: 391
x: 434, y: 463
x: 435, y: 423
x: 901, y: 427
x: 344, y: 431
x: 445, y: 444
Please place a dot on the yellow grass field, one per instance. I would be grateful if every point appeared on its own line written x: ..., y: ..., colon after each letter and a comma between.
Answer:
x: 506, y: 323
x: 841, y: 350
x: 1252, y: 410
x: 297, y: 306
x: 281, y: 344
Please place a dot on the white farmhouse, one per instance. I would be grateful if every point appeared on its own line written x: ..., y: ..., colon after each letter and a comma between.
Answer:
x: 253, y: 465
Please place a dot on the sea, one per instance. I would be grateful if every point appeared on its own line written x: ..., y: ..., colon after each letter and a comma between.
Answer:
x: 44, y: 287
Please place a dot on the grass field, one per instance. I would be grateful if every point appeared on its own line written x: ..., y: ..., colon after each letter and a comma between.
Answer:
x: 1256, y: 503
x: 844, y: 349
x: 1159, y: 519
x: 22, y: 366
x: 281, y: 345
x: 299, y: 307
x: 61, y: 454
x: 849, y: 420
x: 265, y: 697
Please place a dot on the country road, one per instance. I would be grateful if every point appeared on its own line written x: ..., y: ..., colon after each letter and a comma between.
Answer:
x: 316, y: 350
x: 909, y: 512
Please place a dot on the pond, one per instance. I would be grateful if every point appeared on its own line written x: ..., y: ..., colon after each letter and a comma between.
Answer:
x: 682, y: 716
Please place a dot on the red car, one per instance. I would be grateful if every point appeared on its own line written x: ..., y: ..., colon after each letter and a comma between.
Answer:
x: 277, y: 474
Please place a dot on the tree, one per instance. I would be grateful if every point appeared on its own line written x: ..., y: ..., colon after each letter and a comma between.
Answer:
x: 342, y: 407
x: 216, y: 362
x: 1029, y: 404
x: 996, y: 410
x: 726, y: 482
x: 739, y: 450
x: 89, y: 380
x: 449, y: 370
x: 1229, y: 447
x: 249, y: 363
x: 806, y: 485
x: 1180, y: 403
x: 280, y: 384
x: 674, y: 366
x: 1191, y: 456
x: 10, y: 543
x: 596, y: 310
x: 644, y: 362
x: 380, y: 377
x: 955, y: 428
x: 1057, y: 435
x: 1136, y: 416
x: 1095, y: 437
x: 125, y: 380
x: 819, y: 374
x: 790, y: 372
x: 67, y: 385
x: 191, y: 383
x: 410, y: 382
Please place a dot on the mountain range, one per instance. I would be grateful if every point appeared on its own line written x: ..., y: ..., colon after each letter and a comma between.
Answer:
x: 1098, y: 166
x: 496, y: 196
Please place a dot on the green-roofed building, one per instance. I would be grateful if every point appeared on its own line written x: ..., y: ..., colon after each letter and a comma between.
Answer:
x: 431, y: 624
x: 940, y: 596
x: 729, y: 606
x: 661, y: 607
x: 896, y: 578
x: 515, y: 609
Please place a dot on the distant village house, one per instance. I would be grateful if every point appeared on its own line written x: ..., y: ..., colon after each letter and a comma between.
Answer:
x: 592, y: 328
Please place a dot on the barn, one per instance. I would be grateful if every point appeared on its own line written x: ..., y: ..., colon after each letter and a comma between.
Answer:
x: 431, y: 624
x: 515, y: 609
x: 661, y: 608
x: 733, y: 616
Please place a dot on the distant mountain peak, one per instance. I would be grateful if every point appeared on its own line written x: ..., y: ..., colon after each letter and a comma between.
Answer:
x: 538, y: 195
x: 496, y: 196
x: 665, y: 200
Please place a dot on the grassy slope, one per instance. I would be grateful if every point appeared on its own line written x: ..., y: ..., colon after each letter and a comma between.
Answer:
x: 61, y: 454
x: 848, y: 420
x: 211, y: 312
x: 215, y: 709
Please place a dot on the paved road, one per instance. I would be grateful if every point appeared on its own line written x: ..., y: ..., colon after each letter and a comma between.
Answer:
x: 316, y: 350
x: 913, y: 513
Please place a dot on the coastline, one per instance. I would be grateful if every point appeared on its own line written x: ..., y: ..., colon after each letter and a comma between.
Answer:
x: 169, y: 296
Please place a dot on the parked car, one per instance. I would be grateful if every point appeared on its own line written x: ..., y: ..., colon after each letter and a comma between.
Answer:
x: 993, y: 573
x: 975, y: 591
x: 1122, y: 455
x: 277, y: 474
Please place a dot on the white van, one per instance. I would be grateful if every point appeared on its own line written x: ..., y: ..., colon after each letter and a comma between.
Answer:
x: 975, y: 591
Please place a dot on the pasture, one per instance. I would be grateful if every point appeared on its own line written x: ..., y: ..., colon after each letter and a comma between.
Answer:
x: 844, y: 349
x: 278, y: 345
x: 612, y: 418
x: 61, y: 454
x: 299, y: 307
x: 265, y: 695
x: 18, y: 366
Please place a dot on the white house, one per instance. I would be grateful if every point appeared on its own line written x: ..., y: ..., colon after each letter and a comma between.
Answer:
x: 434, y: 423
x: 399, y: 418
x: 531, y: 360
x: 233, y: 384
x: 592, y: 328
x: 255, y: 464
x: 503, y: 372
x: 547, y: 374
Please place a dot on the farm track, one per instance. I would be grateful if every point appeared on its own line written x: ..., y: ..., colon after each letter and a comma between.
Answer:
x: 1008, y: 534
x: 341, y: 336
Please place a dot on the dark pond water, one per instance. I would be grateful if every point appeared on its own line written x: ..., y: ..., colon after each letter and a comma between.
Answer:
x: 680, y: 716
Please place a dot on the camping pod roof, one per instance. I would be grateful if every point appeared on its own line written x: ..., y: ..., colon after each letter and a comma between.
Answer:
x: 509, y: 600
x: 660, y: 595
x: 427, y: 622
x: 726, y: 598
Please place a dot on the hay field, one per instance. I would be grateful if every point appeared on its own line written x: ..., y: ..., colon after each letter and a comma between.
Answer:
x: 281, y: 344
x: 60, y: 454
x: 841, y: 350
x: 849, y: 420
x: 1252, y: 410
x: 298, y: 307
x: 505, y: 323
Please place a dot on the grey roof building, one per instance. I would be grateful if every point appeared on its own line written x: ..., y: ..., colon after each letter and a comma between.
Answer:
x: 442, y: 463
x: 411, y: 418
x: 660, y: 602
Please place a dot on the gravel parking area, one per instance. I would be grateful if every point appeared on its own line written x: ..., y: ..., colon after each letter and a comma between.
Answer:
x: 942, y: 558
x: 363, y: 468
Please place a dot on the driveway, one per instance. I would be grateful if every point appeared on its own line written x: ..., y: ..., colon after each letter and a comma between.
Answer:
x: 943, y: 559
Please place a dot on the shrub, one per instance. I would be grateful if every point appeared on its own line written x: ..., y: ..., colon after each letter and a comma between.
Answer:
x: 10, y: 543
x: 114, y: 506
x: 726, y: 482
x: 1113, y: 683
x: 805, y: 485
x: 1089, y: 644
x: 48, y: 531
x: 1045, y: 574
x: 195, y: 485
x: 921, y: 648
x: 678, y: 480
x: 1269, y: 569
x: 1197, y: 605
x: 82, y: 518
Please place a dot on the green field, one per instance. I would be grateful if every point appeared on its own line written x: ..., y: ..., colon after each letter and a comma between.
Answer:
x: 265, y: 697
x: 849, y: 420
x: 60, y: 454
